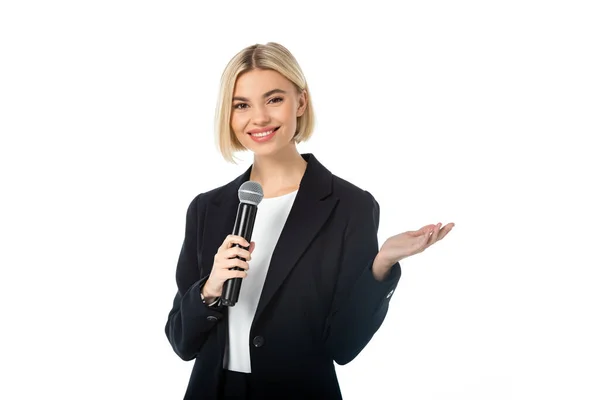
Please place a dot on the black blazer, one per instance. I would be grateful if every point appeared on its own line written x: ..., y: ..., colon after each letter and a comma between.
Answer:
x: 320, y: 302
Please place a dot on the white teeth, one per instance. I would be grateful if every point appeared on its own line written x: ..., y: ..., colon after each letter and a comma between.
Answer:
x: 262, y: 134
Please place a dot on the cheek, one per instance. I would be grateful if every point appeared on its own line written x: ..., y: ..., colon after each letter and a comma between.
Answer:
x: 238, y: 123
x: 286, y: 115
x: 290, y: 111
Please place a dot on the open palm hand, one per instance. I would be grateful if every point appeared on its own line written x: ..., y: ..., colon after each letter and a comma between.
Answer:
x: 410, y: 243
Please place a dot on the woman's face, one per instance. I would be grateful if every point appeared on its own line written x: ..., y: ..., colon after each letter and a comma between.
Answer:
x: 264, y: 111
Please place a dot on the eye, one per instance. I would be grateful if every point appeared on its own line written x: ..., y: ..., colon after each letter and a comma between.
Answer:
x: 276, y: 100
x: 240, y: 106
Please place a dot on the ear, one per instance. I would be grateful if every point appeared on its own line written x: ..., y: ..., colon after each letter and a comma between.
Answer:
x: 302, y: 103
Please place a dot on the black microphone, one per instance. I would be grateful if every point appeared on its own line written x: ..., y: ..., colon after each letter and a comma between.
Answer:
x: 250, y: 194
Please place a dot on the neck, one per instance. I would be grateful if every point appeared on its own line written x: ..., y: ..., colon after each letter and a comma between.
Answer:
x: 280, y: 173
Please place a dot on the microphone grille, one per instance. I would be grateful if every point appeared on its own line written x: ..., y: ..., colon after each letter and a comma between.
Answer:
x: 250, y: 192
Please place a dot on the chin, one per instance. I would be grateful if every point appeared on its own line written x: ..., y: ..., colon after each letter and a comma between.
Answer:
x: 269, y: 149
x: 265, y: 152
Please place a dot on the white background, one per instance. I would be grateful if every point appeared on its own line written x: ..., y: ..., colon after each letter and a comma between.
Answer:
x: 481, y: 113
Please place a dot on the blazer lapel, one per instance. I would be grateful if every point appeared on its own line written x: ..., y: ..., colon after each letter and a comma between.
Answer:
x: 310, y: 211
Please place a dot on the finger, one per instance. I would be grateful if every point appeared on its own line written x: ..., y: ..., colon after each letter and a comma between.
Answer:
x: 232, y: 252
x: 230, y: 240
x: 236, y: 262
x: 424, y: 229
x: 444, y: 231
x: 240, y: 242
x: 226, y: 264
x: 423, y: 242
x: 420, y: 243
x: 434, y: 235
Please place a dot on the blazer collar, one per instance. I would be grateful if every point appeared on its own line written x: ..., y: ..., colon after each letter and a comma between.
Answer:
x: 316, y: 182
x: 311, y: 209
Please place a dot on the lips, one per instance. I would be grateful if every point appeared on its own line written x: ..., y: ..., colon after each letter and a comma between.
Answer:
x: 264, y: 134
x: 262, y: 131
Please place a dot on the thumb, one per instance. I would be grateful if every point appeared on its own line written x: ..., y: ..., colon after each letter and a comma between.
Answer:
x: 422, y: 231
x: 421, y: 239
x: 252, y: 246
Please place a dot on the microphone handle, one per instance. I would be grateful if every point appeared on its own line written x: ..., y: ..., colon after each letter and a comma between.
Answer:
x: 244, y: 224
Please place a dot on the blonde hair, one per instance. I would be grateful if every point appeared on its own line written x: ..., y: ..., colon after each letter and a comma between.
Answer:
x: 271, y: 56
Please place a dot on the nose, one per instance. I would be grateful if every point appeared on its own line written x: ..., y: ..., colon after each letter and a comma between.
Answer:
x: 260, y: 115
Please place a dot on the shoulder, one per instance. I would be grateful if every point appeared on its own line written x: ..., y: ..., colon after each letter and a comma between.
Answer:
x: 352, y: 199
x: 341, y: 188
x: 352, y: 194
x: 201, y: 200
x: 208, y: 196
x: 356, y: 206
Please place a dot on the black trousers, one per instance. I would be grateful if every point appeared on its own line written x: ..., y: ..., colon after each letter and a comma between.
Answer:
x: 236, y: 386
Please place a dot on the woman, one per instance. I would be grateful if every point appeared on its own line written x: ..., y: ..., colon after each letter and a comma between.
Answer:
x: 315, y: 286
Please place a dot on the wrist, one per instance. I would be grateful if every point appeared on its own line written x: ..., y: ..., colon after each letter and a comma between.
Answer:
x: 207, y: 295
x: 381, y: 267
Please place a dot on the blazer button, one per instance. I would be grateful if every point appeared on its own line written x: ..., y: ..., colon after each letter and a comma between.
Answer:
x: 212, y: 318
x: 258, y: 341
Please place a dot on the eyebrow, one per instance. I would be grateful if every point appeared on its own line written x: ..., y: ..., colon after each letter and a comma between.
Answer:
x: 269, y: 93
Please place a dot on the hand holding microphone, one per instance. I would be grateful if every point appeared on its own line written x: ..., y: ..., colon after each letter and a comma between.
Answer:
x: 231, y: 260
x: 234, y: 252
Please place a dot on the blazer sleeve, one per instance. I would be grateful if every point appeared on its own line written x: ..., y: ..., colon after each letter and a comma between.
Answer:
x: 360, y: 301
x: 190, y: 319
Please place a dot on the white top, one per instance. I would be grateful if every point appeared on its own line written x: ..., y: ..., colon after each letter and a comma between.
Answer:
x: 270, y: 218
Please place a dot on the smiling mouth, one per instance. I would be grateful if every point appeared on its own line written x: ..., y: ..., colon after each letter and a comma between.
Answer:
x: 263, y: 134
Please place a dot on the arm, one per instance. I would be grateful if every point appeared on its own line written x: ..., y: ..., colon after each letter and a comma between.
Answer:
x: 361, y: 301
x: 190, y: 319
